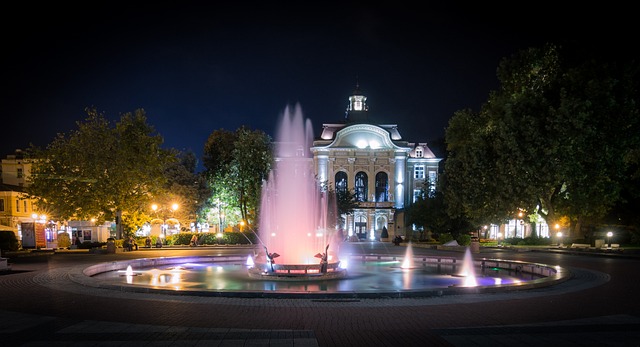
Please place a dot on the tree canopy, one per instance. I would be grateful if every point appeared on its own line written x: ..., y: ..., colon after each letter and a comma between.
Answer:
x: 100, y: 170
x: 554, y: 139
x: 236, y: 165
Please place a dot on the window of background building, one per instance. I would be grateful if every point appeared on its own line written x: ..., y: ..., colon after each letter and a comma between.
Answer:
x: 419, y: 152
x: 432, y: 181
x: 17, y: 205
x: 19, y: 173
x: 418, y: 172
x: 24, y: 206
x: 1, y: 205
x: 342, y: 185
x: 382, y: 187
x: 361, y: 186
x: 416, y: 194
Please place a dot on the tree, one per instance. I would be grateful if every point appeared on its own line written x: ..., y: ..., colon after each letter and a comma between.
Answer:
x: 100, y: 170
x: 552, y: 140
x: 345, y: 203
x: 236, y: 165
x: 187, y: 188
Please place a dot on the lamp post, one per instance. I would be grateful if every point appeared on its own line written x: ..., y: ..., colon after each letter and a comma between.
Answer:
x: 499, y: 236
x: 609, y: 234
x: 559, y: 236
x: 156, y: 208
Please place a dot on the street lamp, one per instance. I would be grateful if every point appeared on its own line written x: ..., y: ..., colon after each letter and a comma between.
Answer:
x: 155, y: 208
x: 609, y: 234
x: 559, y: 236
x: 499, y: 237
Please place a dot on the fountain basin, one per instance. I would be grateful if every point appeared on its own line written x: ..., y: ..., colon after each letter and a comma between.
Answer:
x: 368, y: 276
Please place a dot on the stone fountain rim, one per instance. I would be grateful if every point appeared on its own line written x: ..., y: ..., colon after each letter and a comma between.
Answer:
x: 86, y: 278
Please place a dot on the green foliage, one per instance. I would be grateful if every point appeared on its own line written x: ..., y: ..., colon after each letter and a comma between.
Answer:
x: 464, y: 239
x: 229, y: 238
x: 64, y: 240
x: 429, y: 213
x: 385, y: 233
x: 444, y: 238
x: 8, y: 241
x: 552, y: 140
x: 100, y: 170
x: 236, y: 165
x: 187, y: 188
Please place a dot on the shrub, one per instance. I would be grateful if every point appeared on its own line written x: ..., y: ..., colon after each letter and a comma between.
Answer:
x: 8, y: 241
x: 64, y: 241
x: 444, y: 238
x: 464, y: 240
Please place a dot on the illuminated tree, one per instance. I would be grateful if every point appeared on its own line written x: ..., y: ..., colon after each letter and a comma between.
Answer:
x: 101, y: 170
x: 551, y: 140
x: 236, y: 165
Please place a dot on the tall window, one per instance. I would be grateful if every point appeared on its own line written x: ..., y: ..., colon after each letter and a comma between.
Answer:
x: 19, y: 173
x: 361, y: 186
x: 1, y: 205
x: 417, y: 193
x: 432, y: 181
x: 24, y: 206
x: 17, y: 205
x: 418, y: 172
x: 342, y: 185
x: 382, y: 187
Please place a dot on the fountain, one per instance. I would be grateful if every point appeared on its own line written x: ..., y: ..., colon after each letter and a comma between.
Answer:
x: 297, y: 235
x: 467, y: 270
x: 300, y: 253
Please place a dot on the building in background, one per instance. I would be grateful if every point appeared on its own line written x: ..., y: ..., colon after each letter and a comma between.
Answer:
x: 384, y: 171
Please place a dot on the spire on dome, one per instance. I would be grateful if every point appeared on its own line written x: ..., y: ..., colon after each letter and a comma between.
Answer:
x: 357, y: 108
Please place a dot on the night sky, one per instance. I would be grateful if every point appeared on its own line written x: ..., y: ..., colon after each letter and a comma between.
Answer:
x: 197, y: 68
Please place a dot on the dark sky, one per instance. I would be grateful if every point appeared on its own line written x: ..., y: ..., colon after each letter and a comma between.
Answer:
x: 196, y: 68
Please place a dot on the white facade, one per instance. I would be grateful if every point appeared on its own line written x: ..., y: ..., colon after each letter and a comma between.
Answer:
x: 376, y: 164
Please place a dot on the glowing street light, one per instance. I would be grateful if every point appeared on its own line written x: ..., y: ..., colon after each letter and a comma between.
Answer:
x: 559, y: 236
x: 174, y: 207
x: 609, y: 234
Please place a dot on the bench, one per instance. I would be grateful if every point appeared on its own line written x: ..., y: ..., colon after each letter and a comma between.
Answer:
x: 580, y: 245
x: 4, y: 264
x: 613, y: 247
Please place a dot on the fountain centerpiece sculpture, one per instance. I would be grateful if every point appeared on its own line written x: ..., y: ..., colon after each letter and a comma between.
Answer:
x: 297, y: 215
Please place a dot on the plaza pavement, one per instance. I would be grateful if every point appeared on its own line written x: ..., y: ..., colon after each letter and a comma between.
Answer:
x: 41, y: 306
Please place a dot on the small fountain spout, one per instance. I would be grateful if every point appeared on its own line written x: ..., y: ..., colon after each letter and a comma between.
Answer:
x: 323, y: 259
x: 271, y: 258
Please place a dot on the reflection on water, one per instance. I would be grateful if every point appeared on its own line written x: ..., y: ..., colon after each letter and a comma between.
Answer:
x: 362, y: 276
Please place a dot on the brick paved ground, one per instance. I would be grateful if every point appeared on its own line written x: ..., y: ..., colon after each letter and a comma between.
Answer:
x: 597, y: 307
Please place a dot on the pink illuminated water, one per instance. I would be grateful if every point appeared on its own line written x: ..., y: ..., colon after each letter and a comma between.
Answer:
x: 293, y: 216
x: 467, y: 270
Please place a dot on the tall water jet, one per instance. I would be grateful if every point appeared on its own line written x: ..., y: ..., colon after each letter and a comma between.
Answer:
x: 407, y: 262
x: 295, y: 213
x: 467, y: 270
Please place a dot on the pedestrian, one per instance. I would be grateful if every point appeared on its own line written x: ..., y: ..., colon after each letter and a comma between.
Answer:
x: 194, y: 240
x: 132, y: 243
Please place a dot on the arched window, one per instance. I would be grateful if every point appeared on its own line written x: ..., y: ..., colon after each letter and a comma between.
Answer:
x: 382, y: 187
x: 361, y: 187
x: 342, y: 185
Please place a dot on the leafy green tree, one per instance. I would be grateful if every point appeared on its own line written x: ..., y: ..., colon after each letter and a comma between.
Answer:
x: 187, y: 188
x: 552, y: 140
x: 236, y: 165
x: 429, y: 213
x: 101, y: 170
